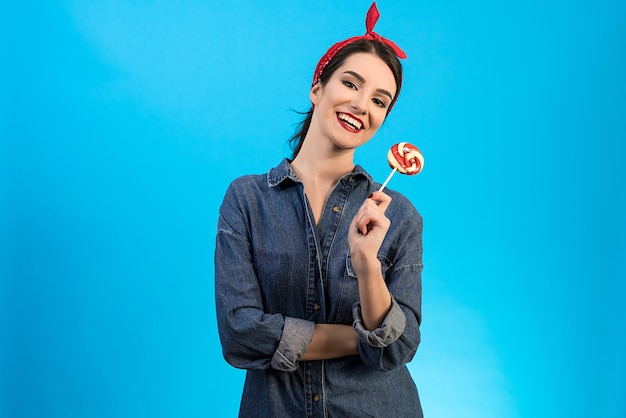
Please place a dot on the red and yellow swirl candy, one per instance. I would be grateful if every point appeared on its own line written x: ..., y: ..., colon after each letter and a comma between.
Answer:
x: 406, y: 158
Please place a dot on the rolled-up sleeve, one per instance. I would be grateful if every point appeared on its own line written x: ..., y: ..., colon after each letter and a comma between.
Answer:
x: 395, y: 342
x: 297, y: 335
x: 389, y: 331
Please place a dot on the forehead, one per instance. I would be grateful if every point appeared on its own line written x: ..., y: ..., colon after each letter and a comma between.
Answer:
x: 372, y: 68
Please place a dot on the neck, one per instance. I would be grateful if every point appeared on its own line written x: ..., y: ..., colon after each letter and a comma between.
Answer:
x: 321, y: 170
x: 321, y: 162
x: 319, y: 174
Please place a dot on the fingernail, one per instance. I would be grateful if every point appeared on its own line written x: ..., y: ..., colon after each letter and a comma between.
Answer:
x: 370, y: 195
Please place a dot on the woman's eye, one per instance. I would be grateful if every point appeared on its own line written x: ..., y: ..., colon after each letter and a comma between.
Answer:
x: 349, y: 84
x: 379, y: 102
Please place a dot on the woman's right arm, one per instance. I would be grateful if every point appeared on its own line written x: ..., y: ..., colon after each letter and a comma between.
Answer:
x: 331, y: 341
x: 250, y: 337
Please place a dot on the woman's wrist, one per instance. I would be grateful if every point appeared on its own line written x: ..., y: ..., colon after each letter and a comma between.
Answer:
x: 366, y: 266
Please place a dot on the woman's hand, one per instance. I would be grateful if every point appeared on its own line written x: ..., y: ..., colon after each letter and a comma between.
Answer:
x: 367, y: 232
x: 366, y: 235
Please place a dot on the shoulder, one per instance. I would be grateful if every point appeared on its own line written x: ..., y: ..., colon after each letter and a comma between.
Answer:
x: 251, y: 189
x: 248, y: 181
x: 240, y: 202
x: 401, y: 207
x: 405, y: 232
x: 406, y: 222
x: 264, y: 181
x: 244, y: 191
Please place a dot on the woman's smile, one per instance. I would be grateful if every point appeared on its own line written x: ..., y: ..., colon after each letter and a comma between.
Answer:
x: 350, y: 122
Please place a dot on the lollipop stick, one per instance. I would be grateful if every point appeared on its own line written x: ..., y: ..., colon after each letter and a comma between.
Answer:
x: 388, y: 178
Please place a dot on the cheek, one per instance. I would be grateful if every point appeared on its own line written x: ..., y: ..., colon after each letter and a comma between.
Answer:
x: 377, y: 119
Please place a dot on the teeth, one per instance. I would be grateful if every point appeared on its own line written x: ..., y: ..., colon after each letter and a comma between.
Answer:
x: 350, y: 121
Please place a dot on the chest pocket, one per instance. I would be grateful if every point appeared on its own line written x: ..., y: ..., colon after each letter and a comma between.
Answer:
x: 349, y: 288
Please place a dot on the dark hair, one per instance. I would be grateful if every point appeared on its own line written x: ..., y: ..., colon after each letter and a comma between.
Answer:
x: 383, y: 51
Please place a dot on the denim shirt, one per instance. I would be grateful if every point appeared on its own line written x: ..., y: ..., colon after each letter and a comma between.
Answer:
x: 277, y: 274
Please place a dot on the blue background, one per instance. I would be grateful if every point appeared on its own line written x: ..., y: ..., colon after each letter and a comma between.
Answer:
x: 122, y: 123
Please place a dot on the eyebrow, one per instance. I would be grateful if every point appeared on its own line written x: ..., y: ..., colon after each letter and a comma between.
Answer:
x: 362, y: 80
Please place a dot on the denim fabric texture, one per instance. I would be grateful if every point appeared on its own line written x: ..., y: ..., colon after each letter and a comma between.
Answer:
x: 277, y: 274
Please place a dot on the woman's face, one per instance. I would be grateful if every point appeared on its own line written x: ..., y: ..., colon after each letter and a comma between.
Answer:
x: 353, y: 104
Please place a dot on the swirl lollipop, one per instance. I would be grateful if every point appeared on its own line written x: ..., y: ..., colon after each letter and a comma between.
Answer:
x: 405, y: 158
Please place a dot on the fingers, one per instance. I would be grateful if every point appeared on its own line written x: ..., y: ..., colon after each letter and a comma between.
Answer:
x: 372, y: 213
x: 381, y: 199
x: 369, y: 226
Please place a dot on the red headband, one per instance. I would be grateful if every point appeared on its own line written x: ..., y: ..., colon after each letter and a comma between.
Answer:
x: 370, y: 21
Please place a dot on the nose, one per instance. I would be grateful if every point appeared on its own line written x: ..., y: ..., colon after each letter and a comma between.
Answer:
x: 359, y: 104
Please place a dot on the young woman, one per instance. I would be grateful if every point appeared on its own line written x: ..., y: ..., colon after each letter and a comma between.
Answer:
x: 318, y: 274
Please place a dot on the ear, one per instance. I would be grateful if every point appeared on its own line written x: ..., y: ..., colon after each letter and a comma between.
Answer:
x: 314, y: 95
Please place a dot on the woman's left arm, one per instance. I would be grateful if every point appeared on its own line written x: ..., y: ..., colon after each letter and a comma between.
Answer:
x: 388, y: 316
x: 367, y: 232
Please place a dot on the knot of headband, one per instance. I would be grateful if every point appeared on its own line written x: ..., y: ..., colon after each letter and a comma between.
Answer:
x: 370, y: 21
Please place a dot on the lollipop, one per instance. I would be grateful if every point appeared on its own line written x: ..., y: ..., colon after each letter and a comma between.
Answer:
x: 405, y: 158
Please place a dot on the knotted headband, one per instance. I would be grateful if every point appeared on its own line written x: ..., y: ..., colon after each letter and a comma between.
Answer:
x: 370, y: 21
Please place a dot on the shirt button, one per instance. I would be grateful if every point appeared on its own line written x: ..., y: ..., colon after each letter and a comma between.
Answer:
x: 316, y: 306
x: 316, y: 398
x: 336, y: 208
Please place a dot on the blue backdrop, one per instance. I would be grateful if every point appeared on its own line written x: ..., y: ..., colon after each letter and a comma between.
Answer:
x: 122, y: 123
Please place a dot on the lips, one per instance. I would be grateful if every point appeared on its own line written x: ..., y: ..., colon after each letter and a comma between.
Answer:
x: 350, y: 122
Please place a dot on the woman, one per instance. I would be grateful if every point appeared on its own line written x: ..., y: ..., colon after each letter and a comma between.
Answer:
x: 318, y: 274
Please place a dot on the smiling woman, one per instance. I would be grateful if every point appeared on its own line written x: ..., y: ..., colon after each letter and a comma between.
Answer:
x: 351, y: 95
x: 359, y: 46
x: 318, y: 274
x: 120, y: 122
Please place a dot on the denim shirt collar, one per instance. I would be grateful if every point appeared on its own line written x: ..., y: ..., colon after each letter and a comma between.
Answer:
x: 283, y: 172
